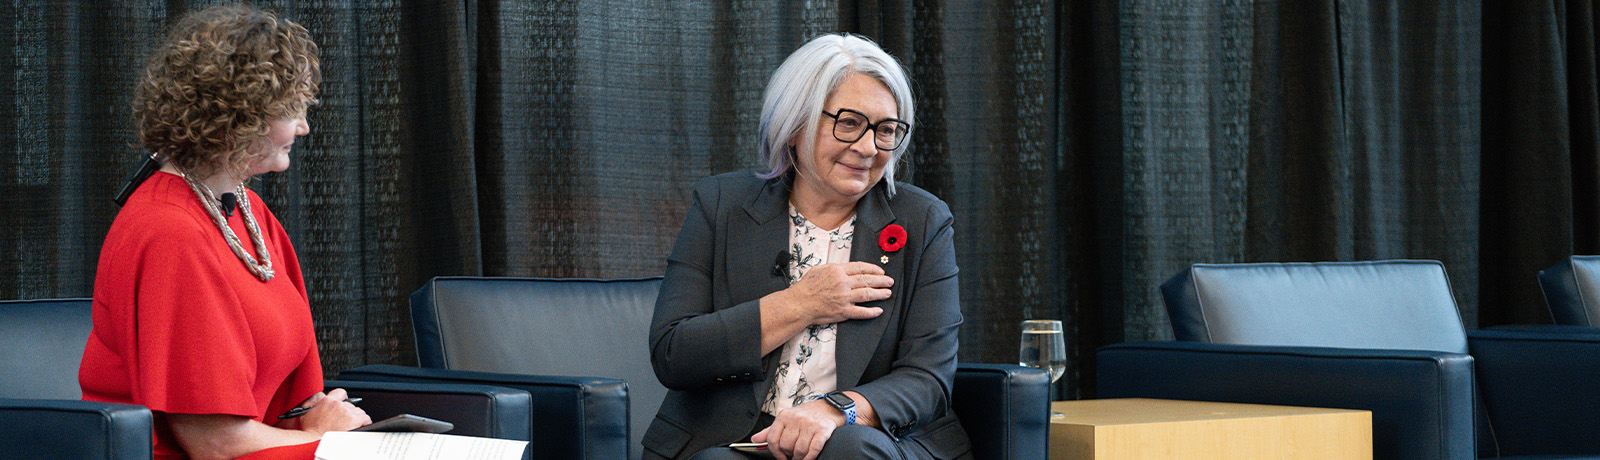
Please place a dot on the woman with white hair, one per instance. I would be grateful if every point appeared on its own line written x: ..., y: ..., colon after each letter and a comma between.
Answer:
x: 813, y: 307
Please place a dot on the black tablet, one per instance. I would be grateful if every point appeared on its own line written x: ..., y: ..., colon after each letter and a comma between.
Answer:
x: 411, y: 423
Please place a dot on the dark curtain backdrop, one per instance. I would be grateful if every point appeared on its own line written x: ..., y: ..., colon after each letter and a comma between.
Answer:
x: 1089, y: 149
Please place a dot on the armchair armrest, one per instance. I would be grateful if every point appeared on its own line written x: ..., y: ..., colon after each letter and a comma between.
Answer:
x: 1540, y: 389
x: 49, y: 428
x: 1421, y: 401
x: 475, y: 410
x: 1005, y: 409
x: 581, y: 418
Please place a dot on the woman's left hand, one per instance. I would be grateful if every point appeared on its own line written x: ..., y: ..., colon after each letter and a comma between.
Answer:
x: 799, y: 432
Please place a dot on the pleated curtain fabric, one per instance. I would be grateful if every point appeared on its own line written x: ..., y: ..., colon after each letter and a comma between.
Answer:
x: 1296, y: 131
x: 1089, y: 149
x: 1540, y: 198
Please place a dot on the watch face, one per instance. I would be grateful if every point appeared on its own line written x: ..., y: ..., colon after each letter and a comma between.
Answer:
x: 840, y: 400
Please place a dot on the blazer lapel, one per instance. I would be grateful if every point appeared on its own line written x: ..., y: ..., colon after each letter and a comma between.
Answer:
x: 858, y: 339
x: 754, y: 243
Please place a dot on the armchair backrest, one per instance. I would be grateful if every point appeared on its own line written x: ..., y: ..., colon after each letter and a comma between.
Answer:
x: 41, y: 346
x: 1391, y: 304
x: 572, y: 327
x: 1572, y: 291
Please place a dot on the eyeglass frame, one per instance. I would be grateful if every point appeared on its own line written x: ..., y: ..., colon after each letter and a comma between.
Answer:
x: 870, y: 127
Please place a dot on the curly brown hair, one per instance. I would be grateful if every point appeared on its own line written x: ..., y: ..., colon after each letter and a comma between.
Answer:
x: 214, y: 88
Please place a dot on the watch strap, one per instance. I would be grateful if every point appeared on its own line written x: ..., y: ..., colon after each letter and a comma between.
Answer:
x: 848, y: 410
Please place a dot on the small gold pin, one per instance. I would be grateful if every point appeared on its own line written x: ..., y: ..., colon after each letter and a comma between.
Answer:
x: 883, y: 260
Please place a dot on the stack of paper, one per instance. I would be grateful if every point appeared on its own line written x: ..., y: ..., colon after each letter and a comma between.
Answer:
x: 350, y: 445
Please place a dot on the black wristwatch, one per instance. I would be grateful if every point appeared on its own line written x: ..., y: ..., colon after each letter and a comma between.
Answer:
x: 843, y: 402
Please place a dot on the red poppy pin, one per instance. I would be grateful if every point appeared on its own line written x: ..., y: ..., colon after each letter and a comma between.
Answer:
x: 892, y: 238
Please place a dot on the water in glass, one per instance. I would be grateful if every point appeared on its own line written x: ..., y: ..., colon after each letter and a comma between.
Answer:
x: 1044, y: 347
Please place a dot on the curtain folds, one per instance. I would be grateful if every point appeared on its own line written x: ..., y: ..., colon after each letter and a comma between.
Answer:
x: 1539, y: 164
x: 1089, y: 149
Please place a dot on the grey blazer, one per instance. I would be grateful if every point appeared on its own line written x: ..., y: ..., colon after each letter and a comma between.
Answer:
x: 705, y: 337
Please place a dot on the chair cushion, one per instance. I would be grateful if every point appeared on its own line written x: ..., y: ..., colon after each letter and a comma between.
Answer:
x: 41, y: 346
x: 1394, y: 304
x: 1572, y: 291
x: 569, y: 327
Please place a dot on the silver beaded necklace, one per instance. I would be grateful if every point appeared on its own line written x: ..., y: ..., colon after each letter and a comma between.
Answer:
x: 208, y: 200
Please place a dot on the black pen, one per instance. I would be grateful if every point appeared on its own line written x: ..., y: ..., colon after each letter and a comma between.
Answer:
x: 299, y: 411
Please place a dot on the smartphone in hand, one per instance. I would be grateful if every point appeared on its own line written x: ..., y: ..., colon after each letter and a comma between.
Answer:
x: 759, y: 448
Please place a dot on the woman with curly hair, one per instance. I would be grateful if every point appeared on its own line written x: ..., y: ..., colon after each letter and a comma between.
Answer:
x: 200, y: 312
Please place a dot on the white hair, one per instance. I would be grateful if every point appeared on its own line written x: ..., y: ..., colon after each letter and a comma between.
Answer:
x: 801, y: 86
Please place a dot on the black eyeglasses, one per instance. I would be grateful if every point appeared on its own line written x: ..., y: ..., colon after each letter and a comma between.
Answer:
x: 850, y: 125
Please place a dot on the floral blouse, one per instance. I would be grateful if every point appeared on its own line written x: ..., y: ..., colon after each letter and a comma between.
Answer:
x: 808, y: 369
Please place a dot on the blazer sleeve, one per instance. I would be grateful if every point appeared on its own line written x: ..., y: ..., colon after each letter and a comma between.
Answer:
x: 693, y: 343
x: 917, y: 388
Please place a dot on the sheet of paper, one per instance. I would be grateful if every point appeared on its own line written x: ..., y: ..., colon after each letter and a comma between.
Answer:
x: 350, y: 445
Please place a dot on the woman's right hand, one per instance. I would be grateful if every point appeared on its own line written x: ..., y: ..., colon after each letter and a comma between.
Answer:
x: 827, y: 294
x: 332, y: 413
x: 220, y: 436
x: 830, y: 293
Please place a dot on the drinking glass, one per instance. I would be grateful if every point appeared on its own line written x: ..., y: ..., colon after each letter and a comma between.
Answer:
x: 1044, y: 347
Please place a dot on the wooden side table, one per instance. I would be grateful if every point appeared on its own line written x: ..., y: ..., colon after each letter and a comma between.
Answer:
x: 1141, y: 429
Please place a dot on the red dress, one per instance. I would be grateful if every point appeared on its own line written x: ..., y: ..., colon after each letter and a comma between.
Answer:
x: 181, y: 326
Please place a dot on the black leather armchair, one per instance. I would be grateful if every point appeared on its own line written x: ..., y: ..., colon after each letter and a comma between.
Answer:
x: 1572, y: 292
x: 41, y: 345
x: 1382, y: 336
x: 579, y: 346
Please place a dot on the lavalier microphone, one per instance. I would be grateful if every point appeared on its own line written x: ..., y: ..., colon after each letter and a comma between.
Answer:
x: 780, y: 266
x: 229, y: 201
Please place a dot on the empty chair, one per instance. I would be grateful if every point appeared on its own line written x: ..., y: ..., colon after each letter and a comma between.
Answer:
x: 1572, y: 291
x: 1383, y: 336
x: 577, y: 345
